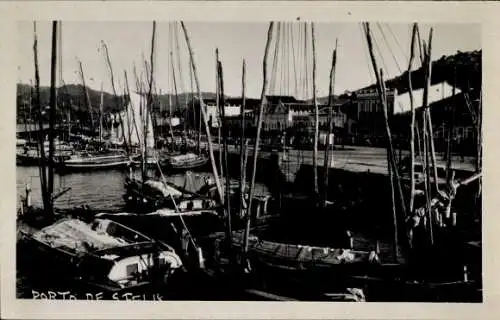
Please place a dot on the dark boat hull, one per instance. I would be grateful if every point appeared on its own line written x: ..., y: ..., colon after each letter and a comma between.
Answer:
x: 30, y: 161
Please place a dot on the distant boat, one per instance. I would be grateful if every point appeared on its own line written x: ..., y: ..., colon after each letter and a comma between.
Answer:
x: 103, y: 255
x: 21, y: 142
x: 115, y: 159
x: 30, y: 155
x: 186, y: 161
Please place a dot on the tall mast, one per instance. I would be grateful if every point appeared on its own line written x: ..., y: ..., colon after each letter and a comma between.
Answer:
x: 86, y: 95
x: 428, y: 138
x: 316, y: 112
x: 100, y: 114
x: 26, y: 125
x: 392, y: 169
x: 115, y: 96
x: 382, y: 96
x: 412, y: 124
x: 259, y: 128
x: 330, y: 124
x: 217, y: 103
x: 196, y: 116
x: 126, y: 102
x: 227, y: 177
x: 148, y: 104
x: 134, y: 120
x: 242, y: 138
x: 203, y: 111
x: 41, y: 135
x: 181, y: 80
x: 52, y: 114
x: 427, y: 110
x: 451, y: 124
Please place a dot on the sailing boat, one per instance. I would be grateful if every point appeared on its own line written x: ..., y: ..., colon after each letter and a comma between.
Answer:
x: 186, y: 160
x: 100, y: 159
x: 147, y: 195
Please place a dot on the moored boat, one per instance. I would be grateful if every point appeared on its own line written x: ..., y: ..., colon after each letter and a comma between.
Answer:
x: 103, y: 255
x: 96, y: 161
x: 186, y: 161
x: 30, y: 156
x: 152, y: 195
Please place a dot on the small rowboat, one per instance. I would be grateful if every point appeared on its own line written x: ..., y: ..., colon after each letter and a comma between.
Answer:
x: 187, y: 161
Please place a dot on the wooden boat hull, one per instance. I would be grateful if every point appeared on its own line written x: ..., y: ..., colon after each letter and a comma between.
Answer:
x: 96, y: 163
x: 95, y: 167
x: 29, y: 161
x: 189, y: 164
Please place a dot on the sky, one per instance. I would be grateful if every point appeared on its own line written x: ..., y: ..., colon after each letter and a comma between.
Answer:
x: 129, y: 43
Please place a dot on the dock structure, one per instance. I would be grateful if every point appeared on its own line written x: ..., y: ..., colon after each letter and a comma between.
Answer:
x: 351, y: 158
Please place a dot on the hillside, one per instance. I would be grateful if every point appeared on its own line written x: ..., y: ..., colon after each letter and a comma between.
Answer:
x: 74, y: 96
x: 467, y: 65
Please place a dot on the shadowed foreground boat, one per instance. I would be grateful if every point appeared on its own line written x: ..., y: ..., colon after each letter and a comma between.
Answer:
x: 102, y: 256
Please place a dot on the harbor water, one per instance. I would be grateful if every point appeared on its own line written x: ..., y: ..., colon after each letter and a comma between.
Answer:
x: 100, y: 190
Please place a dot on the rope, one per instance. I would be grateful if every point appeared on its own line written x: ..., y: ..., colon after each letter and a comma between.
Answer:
x: 366, y: 53
x: 283, y: 62
x: 275, y: 60
x: 306, y: 78
x: 379, y: 53
x: 177, y: 48
x: 299, y: 60
x: 397, y: 42
x: 389, y: 48
x: 294, y: 62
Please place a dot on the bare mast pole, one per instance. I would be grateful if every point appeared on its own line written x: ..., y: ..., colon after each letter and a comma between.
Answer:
x: 149, y: 103
x: 425, y: 155
x: 242, y: 138
x: 330, y: 125
x: 412, y: 125
x: 390, y: 150
x: 128, y: 101
x: 227, y: 178
x: 203, y: 111
x: 451, y: 128
x: 41, y: 136
x: 217, y: 103
x: 316, y: 112
x: 115, y: 96
x: 259, y: 128
x: 86, y: 95
x: 101, y: 105
x: 52, y: 114
x: 382, y: 98
x: 427, y: 109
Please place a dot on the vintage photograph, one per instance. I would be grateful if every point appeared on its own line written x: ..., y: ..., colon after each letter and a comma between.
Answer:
x: 249, y: 161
